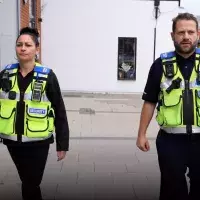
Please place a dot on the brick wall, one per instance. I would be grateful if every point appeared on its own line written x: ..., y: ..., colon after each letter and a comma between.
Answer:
x: 25, y: 19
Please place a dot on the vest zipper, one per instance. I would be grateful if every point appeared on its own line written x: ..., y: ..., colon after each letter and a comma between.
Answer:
x: 188, y: 109
x: 20, y: 117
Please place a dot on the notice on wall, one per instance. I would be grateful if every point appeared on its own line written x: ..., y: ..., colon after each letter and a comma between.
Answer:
x: 126, y: 58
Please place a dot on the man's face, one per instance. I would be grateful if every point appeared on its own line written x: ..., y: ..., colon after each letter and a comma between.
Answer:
x: 185, y: 36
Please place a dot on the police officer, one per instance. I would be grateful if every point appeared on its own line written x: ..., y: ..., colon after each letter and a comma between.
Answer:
x: 173, y: 87
x: 31, y: 108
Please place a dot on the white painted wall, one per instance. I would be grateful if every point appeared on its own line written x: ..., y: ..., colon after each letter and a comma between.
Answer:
x: 8, y: 31
x: 80, y: 41
x: 191, y: 6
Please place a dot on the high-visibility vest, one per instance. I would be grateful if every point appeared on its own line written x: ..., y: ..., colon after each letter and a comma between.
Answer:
x: 38, y: 116
x: 176, y: 95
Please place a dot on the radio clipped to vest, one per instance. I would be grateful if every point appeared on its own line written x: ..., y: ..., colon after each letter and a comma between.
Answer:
x: 37, y: 91
x: 175, y: 85
x: 6, y: 82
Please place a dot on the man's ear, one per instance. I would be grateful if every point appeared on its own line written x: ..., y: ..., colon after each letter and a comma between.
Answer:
x: 172, y: 36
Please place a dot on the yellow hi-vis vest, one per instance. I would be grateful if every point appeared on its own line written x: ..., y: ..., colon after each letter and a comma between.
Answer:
x: 38, y: 115
x: 170, y: 115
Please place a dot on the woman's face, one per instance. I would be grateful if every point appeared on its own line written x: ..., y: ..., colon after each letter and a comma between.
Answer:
x: 26, y: 49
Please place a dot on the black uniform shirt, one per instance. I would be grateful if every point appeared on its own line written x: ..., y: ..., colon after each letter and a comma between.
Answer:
x: 152, y: 87
x: 54, y: 95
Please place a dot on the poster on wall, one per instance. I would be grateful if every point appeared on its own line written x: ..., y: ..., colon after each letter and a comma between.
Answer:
x: 126, y: 58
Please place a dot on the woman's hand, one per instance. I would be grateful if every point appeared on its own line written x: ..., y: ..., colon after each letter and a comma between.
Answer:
x: 61, y: 155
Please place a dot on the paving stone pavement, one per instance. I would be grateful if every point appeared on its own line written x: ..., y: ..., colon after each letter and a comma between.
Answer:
x: 96, y: 169
x: 105, y: 115
x: 103, y: 162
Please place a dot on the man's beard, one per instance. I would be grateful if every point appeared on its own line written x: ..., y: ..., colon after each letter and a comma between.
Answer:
x: 180, y: 50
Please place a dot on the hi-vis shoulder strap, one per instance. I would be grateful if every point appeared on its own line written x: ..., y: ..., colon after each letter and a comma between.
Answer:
x: 11, y: 66
x: 170, y: 67
x: 167, y: 55
x: 197, y: 62
x: 171, y: 54
x: 169, y: 64
x: 41, y: 69
x: 41, y: 72
x: 38, y: 68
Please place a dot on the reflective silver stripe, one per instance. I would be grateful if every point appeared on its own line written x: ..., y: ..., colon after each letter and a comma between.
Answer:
x: 193, y: 84
x: 27, y: 96
x: 42, y: 75
x: 24, y: 138
x: 11, y: 71
x: 4, y: 95
x: 165, y: 84
x: 180, y: 129
x: 168, y: 82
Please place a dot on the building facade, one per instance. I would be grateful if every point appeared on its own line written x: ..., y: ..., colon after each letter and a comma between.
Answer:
x: 15, y: 15
x: 30, y: 15
x: 87, y: 42
x: 82, y: 40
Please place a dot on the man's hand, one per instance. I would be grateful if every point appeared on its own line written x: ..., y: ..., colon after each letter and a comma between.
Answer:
x: 145, y: 118
x: 142, y: 143
x: 61, y: 155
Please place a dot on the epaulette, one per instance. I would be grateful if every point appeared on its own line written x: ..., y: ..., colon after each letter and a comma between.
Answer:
x: 11, y: 66
x: 197, y: 50
x: 42, y: 69
x: 167, y: 55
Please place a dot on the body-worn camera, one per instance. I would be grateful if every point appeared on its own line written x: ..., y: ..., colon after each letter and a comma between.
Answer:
x: 37, y: 91
x: 169, y: 70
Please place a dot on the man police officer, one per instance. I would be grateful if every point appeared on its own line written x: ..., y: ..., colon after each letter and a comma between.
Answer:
x: 173, y: 88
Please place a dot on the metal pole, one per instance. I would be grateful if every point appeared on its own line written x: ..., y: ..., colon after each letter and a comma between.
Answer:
x: 156, y: 7
x: 18, y: 8
x: 154, y: 50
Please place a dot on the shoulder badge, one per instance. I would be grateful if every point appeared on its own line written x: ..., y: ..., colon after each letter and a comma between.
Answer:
x: 42, y: 69
x: 167, y: 55
x: 197, y: 50
x: 11, y: 66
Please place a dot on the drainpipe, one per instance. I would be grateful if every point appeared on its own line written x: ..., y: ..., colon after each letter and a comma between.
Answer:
x: 156, y: 8
x: 18, y: 16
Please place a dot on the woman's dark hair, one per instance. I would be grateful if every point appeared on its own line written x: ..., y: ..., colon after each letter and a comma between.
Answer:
x: 32, y: 32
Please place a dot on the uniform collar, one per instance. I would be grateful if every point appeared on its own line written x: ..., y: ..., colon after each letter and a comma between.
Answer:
x: 181, y: 58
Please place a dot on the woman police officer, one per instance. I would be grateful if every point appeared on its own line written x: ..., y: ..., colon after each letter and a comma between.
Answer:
x: 31, y: 108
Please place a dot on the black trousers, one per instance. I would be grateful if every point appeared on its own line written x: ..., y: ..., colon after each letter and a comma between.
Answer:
x: 176, y: 153
x: 30, y: 163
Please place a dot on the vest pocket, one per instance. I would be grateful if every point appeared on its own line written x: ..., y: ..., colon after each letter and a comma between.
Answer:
x: 37, y: 129
x: 36, y: 120
x: 7, y: 117
x: 39, y: 120
x: 170, y: 113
